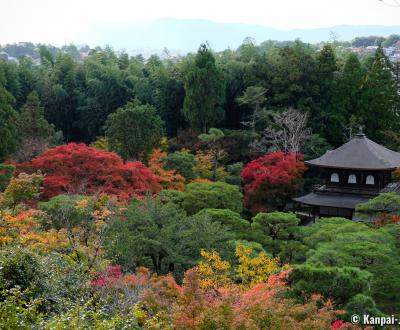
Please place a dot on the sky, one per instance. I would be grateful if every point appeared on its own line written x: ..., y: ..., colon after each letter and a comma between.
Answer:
x: 64, y: 21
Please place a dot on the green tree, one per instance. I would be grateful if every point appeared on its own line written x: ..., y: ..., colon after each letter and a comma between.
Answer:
x: 295, y: 79
x: 253, y: 97
x: 182, y: 162
x: 339, y: 284
x: 233, y: 176
x: 34, y: 131
x: 338, y: 242
x: 64, y: 212
x: 103, y: 88
x: 314, y: 147
x: 8, y: 119
x: 330, y: 115
x: 379, y: 96
x: 204, y: 88
x: 134, y: 129
x: 383, y: 207
x: 160, y: 236
x: 229, y: 219
x: 279, y: 226
x: 348, y: 96
x: 216, y: 195
x: 28, y: 79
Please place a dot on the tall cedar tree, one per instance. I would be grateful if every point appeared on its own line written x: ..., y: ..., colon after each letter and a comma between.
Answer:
x: 58, y: 89
x: 205, y: 88
x: 379, y: 96
x: 331, y: 117
x: 349, y: 90
x: 8, y: 119
x: 35, y: 132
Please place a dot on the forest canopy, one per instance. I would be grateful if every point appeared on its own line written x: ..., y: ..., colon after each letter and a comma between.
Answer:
x: 157, y: 193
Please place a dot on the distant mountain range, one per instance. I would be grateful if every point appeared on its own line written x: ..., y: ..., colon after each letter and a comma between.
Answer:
x: 185, y: 35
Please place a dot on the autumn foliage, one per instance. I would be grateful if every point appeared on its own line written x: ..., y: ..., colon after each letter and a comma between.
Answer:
x: 169, y: 179
x: 24, y: 228
x: 77, y: 168
x: 263, y: 306
x: 271, y: 179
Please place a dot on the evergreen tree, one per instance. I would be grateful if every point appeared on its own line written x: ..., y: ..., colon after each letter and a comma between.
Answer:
x: 379, y: 96
x: 8, y: 118
x: 331, y: 117
x: 204, y: 87
x: 34, y: 130
x: 349, y: 93
x: 134, y: 129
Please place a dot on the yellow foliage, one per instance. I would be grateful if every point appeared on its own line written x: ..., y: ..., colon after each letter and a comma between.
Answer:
x: 100, y: 143
x: 21, y: 189
x: 204, y: 166
x: 25, y: 229
x: 82, y: 204
x: 164, y: 144
x: 214, y: 272
x: 201, y: 180
x: 169, y: 179
x: 254, y: 270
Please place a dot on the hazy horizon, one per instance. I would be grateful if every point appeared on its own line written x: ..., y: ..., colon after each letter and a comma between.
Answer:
x: 61, y: 22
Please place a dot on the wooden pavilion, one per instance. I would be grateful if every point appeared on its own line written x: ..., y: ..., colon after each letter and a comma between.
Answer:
x: 352, y: 174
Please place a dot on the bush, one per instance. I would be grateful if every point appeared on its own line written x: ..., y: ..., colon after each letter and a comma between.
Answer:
x: 216, y: 195
x: 18, y: 268
x: 339, y: 284
x: 182, y: 162
x: 229, y: 219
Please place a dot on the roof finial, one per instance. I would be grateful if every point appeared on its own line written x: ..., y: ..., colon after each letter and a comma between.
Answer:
x: 360, y: 132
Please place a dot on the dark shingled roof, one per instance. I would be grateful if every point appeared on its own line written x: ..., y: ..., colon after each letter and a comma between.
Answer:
x: 343, y: 201
x: 359, y: 153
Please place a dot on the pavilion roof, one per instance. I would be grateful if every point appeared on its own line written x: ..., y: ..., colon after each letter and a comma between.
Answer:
x: 359, y: 153
x: 343, y: 201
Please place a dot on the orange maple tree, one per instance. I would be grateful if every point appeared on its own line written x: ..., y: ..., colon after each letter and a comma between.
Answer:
x: 169, y: 179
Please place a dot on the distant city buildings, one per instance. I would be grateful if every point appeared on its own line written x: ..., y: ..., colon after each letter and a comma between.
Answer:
x: 393, y: 52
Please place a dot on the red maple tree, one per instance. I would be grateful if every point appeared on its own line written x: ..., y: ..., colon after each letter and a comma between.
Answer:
x: 271, y: 179
x: 79, y: 169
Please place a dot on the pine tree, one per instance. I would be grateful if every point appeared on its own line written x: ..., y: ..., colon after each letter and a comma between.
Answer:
x: 204, y: 87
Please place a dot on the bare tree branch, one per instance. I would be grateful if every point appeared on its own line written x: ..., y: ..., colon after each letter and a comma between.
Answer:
x: 287, y: 132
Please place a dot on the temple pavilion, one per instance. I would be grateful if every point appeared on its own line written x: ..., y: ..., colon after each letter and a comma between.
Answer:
x: 352, y: 174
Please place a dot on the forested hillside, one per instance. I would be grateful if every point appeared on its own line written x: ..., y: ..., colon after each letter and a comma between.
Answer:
x: 156, y: 194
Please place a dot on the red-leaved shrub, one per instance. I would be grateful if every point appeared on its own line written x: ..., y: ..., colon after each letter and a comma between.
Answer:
x: 79, y: 169
x: 271, y: 179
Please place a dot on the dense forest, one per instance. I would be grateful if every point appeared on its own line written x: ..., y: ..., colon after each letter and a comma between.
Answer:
x: 155, y: 193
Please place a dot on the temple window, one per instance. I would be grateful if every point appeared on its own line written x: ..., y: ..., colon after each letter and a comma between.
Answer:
x: 370, y: 180
x: 352, y: 178
x: 334, y: 177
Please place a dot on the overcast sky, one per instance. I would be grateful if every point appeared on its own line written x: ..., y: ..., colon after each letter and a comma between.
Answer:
x: 64, y: 21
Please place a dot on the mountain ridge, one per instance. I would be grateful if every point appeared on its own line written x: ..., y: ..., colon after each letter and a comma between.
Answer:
x: 186, y: 34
